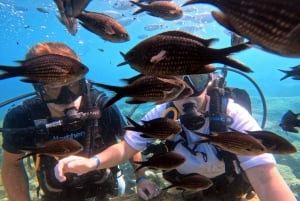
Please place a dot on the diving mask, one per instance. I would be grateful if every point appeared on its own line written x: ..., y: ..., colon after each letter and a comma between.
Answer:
x: 198, y: 82
x: 61, y: 95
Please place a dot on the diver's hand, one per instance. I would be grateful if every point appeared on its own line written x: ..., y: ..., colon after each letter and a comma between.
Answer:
x: 73, y: 164
x: 147, y: 189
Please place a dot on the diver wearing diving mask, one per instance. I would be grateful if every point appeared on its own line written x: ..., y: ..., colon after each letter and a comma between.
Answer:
x: 192, y: 109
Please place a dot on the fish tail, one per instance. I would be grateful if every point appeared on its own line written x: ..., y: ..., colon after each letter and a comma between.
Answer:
x: 141, y: 9
x: 10, y: 72
x: 236, y: 64
x: 287, y: 74
x: 231, y: 62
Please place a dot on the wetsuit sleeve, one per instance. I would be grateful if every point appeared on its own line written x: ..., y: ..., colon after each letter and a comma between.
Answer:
x: 13, y: 140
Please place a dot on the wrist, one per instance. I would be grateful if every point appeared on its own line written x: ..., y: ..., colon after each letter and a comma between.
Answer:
x: 96, y: 159
x: 139, y: 179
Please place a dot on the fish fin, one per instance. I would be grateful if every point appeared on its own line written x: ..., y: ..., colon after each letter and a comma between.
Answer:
x: 28, y: 80
x: 124, y: 62
x: 109, y: 29
x: 294, y: 34
x: 138, y: 168
x: 159, y: 57
x: 135, y: 124
x: 112, y: 100
x: 222, y: 19
x: 135, y: 101
x: 236, y: 64
x: 26, y: 156
x: 145, y: 136
x: 131, y: 128
x: 108, y: 87
x: 232, y: 129
x: 132, y: 79
x: 205, y: 42
x: 166, y: 188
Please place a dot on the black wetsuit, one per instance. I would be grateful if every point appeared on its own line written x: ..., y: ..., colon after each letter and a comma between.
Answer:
x: 106, y: 129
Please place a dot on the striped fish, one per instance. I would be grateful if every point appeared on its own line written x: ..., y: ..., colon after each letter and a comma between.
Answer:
x: 234, y: 142
x: 179, y: 54
x: 159, y: 128
x: 272, y: 24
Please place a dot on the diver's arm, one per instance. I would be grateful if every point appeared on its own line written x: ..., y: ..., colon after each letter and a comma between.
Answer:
x: 110, y: 157
x: 14, y: 177
x: 269, y: 184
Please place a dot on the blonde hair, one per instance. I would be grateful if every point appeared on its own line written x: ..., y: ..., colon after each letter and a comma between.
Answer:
x: 51, y: 48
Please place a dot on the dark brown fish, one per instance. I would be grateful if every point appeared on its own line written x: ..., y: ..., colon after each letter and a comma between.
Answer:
x: 146, y: 89
x: 104, y: 26
x: 191, y: 182
x: 165, y: 54
x: 294, y: 73
x: 53, y: 69
x: 274, y: 143
x: 69, y: 22
x: 164, y: 161
x: 74, y: 7
x: 163, y: 9
x: 271, y: 24
x: 159, y: 128
x: 289, y: 121
x: 235, y: 142
x: 59, y: 148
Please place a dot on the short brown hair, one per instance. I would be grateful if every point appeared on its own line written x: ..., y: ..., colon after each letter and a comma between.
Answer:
x: 51, y: 48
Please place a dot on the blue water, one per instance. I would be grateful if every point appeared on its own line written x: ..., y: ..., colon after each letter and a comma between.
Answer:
x: 22, y: 26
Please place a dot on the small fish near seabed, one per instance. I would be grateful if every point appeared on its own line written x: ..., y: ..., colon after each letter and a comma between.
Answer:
x: 165, y: 161
x: 274, y: 143
x: 53, y: 69
x: 235, y: 142
x: 179, y: 53
x: 163, y: 9
x: 144, y: 89
x: 190, y: 182
x: 290, y: 121
x: 271, y: 24
x: 69, y: 22
x: 158, y: 128
x: 74, y: 7
x: 104, y: 26
x: 294, y: 73
x: 58, y: 149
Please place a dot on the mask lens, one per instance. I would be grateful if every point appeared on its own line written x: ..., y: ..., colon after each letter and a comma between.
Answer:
x: 51, y: 94
x: 198, y: 81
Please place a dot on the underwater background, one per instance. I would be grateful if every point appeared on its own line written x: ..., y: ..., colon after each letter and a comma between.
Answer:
x: 23, y: 23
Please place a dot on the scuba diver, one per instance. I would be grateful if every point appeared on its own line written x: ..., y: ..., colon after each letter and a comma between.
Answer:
x: 71, y: 111
x: 209, y: 109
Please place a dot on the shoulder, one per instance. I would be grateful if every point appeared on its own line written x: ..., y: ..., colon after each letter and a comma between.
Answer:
x: 156, y: 112
x: 242, y: 119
